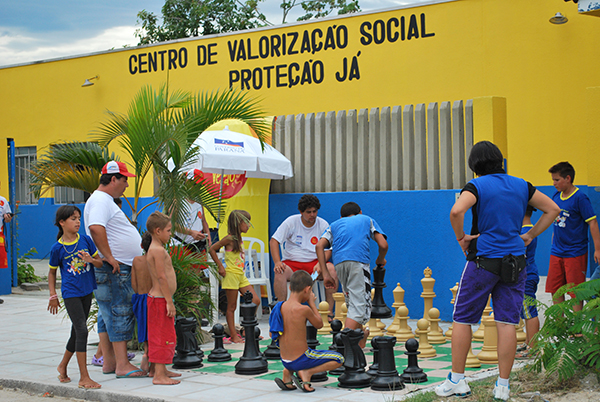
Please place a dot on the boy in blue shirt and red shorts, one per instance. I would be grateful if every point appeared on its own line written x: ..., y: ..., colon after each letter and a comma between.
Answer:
x: 568, y: 256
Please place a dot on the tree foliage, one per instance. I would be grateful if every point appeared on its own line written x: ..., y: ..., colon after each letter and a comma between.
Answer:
x: 189, y: 18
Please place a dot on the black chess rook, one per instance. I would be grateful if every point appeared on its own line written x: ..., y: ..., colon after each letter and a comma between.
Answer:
x: 387, y: 378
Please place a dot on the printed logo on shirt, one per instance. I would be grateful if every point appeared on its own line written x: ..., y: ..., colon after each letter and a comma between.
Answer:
x: 314, y: 240
x: 1, y: 203
x: 78, y: 266
x: 561, y: 219
x: 298, y: 240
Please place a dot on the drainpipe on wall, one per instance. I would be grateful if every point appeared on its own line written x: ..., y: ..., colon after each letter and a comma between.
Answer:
x: 12, y: 194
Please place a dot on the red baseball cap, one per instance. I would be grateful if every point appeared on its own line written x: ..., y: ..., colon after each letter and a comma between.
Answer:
x: 113, y: 167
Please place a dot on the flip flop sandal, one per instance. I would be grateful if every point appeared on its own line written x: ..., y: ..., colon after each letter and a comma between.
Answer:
x: 524, y: 354
x: 301, y: 384
x: 284, y: 385
x: 522, y: 347
x: 227, y: 341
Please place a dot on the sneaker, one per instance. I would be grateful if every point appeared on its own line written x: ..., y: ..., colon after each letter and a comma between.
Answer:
x: 501, y: 392
x: 449, y: 388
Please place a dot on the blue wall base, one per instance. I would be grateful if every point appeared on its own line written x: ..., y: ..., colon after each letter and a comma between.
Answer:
x: 5, y: 281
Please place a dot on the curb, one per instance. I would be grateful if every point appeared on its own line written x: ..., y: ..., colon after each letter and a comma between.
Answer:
x: 97, y: 395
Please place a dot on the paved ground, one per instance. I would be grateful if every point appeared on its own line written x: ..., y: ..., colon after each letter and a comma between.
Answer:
x: 32, y: 343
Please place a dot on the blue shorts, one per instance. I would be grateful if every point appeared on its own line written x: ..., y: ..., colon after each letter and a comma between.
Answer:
x: 475, y: 287
x: 313, y: 358
x: 114, y: 301
x: 140, y: 311
x: 531, y: 285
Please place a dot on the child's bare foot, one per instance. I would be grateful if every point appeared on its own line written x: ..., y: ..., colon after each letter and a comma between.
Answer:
x: 302, y: 381
x: 62, y: 374
x: 89, y: 384
x: 169, y: 374
x: 164, y: 381
x: 237, y: 339
x: 145, y: 365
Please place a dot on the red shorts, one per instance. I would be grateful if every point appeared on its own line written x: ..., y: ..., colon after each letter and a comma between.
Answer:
x: 305, y: 266
x: 161, y: 332
x: 3, y: 256
x: 565, y: 270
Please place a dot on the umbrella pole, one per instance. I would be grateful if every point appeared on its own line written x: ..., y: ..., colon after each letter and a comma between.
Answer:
x: 220, y: 198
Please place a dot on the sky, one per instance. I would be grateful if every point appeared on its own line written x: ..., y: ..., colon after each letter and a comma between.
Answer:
x: 33, y: 30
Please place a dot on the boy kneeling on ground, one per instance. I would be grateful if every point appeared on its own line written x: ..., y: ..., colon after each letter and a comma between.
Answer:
x: 288, y: 324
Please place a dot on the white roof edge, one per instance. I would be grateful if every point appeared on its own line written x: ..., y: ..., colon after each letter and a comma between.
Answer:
x: 291, y: 24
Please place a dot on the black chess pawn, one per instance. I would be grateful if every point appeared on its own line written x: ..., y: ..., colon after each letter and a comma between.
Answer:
x: 336, y: 327
x: 311, y: 336
x: 379, y: 309
x: 413, y: 374
x: 339, y: 347
x: 372, y: 371
x: 189, y: 355
x: 354, y: 364
x: 387, y: 378
x: 219, y: 353
x: 252, y: 361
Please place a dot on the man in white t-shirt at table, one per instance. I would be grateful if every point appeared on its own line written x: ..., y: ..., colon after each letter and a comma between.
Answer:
x: 299, y: 234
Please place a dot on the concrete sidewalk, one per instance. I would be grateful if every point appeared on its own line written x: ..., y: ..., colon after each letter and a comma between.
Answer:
x: 32, y: 343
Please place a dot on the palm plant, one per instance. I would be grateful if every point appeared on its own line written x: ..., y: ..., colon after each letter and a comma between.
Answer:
x: 160, y: 126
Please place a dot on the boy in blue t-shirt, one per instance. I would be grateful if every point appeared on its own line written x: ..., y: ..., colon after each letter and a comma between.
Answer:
x: 568, y: 256
x: 349, y: 238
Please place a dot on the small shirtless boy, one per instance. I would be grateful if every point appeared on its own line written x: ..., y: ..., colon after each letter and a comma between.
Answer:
x: 288, y: 325
x: 161, y: 310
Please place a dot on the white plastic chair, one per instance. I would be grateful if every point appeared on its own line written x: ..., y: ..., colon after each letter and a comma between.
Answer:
x: 257, y: 270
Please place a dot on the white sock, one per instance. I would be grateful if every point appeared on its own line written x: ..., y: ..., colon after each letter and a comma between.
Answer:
x: 503, y: 382
x: 456, y: 377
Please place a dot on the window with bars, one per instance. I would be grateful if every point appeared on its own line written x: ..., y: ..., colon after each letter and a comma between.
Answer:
x: 24, y: 156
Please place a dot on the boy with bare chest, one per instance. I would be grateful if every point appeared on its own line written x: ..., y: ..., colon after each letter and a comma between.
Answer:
x: 161, y: 310
x: 288, y: 325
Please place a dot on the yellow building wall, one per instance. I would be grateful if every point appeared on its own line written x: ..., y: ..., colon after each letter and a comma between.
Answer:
x: 452, y: 50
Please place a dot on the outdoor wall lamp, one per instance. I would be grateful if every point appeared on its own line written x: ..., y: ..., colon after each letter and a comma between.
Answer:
x: 558, y: 19
x: 87, y: 82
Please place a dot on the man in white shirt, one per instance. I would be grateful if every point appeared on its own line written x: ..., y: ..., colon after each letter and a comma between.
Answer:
x: 299, y: 234
x: 118, y: 242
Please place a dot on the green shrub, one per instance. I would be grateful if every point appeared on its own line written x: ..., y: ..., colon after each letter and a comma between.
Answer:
x: 569, y: 339
x: 25, y: 271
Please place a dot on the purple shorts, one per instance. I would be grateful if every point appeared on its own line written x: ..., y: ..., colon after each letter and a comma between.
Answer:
x: 475, y: 287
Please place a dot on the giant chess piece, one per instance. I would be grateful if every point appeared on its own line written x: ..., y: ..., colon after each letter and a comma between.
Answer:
x: 324, y: 312
x: 404, y: 331
x: 424, y: 346
x: 313, y: 342
x: 336, y: 328
x: 489, y: 350
x: 478, y: 335
x: 189, y: 355
x: 252, y: 361
x: 272, y: 352
x: 339, y: 299
x: 387, y: 378
x: 454, y: 291
x: 354, y: 364
x: 428, y: 294
x: 413, y: 374
x: 373, y: 368
x: 398, y: 302
x: 436, y: 336
x: 219, y: 353
x: 339, y: 347
x: 379, y: 308
x: 311, y: 336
